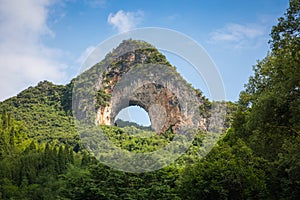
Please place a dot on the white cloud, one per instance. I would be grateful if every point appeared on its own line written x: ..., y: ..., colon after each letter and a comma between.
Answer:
x: 24, y: 59
x: 125, y: 21
x: 239, y: 35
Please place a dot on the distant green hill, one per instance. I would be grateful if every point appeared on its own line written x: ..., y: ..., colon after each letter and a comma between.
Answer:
x: 121, y: 123
x: 46, y: 111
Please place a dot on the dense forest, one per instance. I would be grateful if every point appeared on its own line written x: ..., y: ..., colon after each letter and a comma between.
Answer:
x: 257, y: 157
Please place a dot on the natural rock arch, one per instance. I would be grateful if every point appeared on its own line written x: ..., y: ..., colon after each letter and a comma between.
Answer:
x: 159, y: 102
x: 135, y: 73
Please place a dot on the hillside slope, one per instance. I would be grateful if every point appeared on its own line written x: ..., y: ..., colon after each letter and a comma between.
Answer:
x: 46, y: 111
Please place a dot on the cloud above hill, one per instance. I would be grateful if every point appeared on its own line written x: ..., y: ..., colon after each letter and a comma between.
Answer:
x: 125, y: 21
x: 24, y: 59
x: 238, y: 35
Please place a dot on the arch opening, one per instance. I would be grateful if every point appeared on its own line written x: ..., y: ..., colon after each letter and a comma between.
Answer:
x: 133, y: 115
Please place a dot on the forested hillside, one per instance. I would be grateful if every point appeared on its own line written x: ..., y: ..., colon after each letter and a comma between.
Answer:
x: 257, y: 157
x: 45, y: 111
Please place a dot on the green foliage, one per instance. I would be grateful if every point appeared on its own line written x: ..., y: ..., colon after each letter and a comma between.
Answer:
x: 102, y: 98
x: 134, y: 139
x: 286, y: 32
x: 53, y: 171
x: 268, y: 110
x: 122, y: 124
x: 268, y: 113
x: 101, y: 182
x: 227, y: 173
x: 288, y: 169
x: 24, y: 163
x: 45, y: 109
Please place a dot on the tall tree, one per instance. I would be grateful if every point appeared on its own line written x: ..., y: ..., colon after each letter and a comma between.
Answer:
x: 269, y: 108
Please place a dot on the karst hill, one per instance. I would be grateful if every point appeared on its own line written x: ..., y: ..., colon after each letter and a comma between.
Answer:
x: 136, y: 73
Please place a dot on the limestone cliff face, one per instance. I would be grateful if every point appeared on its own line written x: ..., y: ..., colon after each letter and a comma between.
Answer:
x: 160, y: 103
x: 136, y: 73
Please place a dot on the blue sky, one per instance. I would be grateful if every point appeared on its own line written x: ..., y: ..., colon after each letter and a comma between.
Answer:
x: 49, y: 39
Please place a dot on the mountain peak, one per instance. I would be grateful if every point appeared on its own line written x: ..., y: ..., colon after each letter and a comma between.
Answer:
x: 138, y: 51
x: 135, y: 74
x: 130, y: 44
